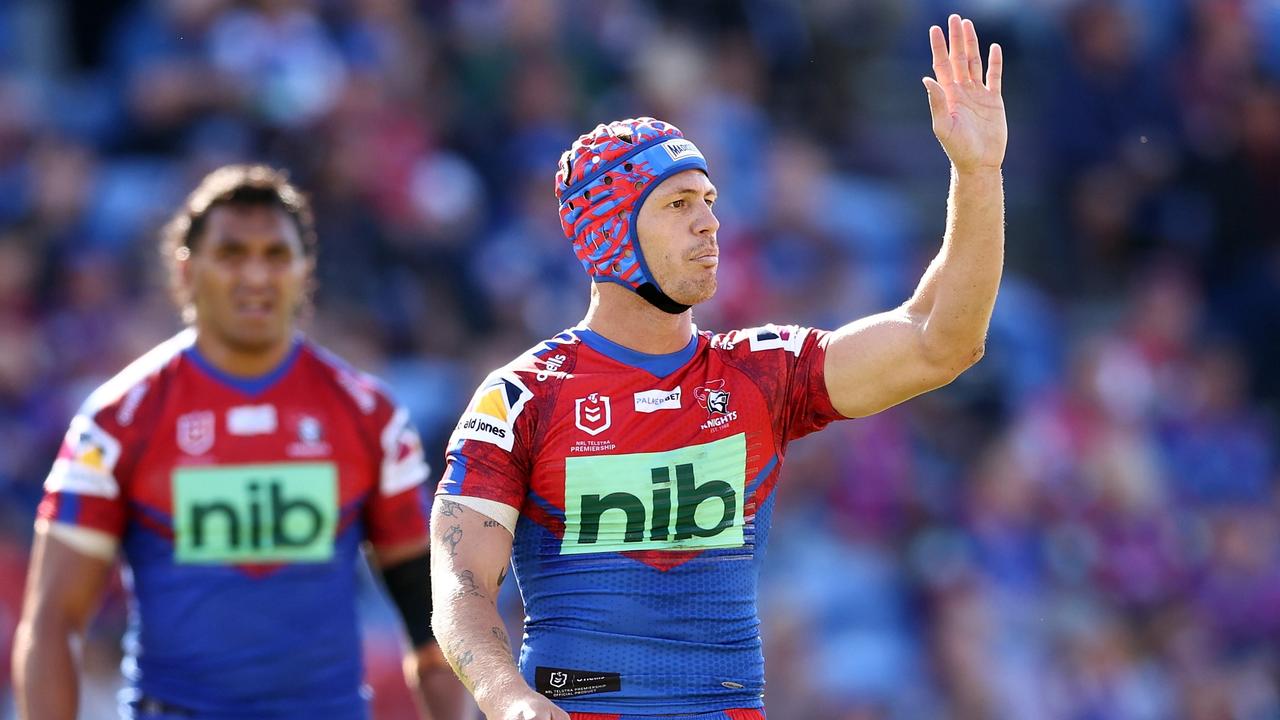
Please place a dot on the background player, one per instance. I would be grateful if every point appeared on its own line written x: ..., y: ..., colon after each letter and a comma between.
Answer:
x: 240, y: 468
x: 634, y: 459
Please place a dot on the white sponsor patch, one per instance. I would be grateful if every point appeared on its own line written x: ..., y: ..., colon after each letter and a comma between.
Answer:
x: 681, y: 149
x: 403, y: 463
x: 252, y: 420
x: 774, y: 337
x: 87, y: 462
x: 491, y: 416
x: 655, y: 400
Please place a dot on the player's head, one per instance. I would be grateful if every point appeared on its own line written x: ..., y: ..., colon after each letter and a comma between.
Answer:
x: 241, y: 252
x: 635, y: 200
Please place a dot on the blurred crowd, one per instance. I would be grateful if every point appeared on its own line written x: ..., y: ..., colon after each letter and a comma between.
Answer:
x: 1085, y: 526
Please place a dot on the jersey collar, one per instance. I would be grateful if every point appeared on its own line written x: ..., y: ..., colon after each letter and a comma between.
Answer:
x: 246, y: 385
x: 656, y: 365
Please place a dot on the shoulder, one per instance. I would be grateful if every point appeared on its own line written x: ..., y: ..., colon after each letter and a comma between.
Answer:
x: 119, y: 400
x: 505, y: 395
x: 365, y: 391
x: 771, y: 339
x: 542, y: 366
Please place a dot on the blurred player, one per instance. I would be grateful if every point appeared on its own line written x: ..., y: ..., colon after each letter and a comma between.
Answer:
x: 628, y: 465
x: 239, y: 468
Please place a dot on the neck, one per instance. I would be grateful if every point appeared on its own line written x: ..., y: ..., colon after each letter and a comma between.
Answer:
x: 629, y: 320
x: 241, y: 362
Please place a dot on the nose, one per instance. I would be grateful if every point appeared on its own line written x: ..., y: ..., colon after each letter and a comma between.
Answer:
x: 256, y: 272
x: 707, y: 223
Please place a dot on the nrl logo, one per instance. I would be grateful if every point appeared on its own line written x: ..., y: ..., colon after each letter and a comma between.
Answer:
x: 592, y: 414
x: 196, y: 432
x: 713, y: 398
x: 558, y: 679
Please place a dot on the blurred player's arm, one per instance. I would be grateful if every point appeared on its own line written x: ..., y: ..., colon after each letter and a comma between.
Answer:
x: 469, y: 556
x: 884, y: 359
x: 69, y: 570
x: 406, y: 571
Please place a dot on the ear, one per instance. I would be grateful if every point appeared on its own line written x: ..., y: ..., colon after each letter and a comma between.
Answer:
x: 182, y: 280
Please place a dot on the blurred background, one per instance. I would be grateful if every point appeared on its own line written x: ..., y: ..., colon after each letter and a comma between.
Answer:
x: 1085, y: 526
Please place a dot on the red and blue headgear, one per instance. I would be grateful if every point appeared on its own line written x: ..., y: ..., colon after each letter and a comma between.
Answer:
x: 603, y: 181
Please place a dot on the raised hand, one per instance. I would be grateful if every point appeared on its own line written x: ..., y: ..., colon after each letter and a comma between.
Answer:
x: 968, y: 114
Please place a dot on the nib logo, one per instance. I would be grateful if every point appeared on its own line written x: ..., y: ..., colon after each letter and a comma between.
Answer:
x: 592, y: 414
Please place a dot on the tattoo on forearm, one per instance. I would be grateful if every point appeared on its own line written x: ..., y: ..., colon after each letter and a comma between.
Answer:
x: 452, y: 537
x: 449, y: 508
x: 491, y: 523
x: 460, y: 661
x: 501, y: 636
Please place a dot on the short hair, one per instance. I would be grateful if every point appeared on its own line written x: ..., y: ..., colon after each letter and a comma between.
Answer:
x: 238, y: 186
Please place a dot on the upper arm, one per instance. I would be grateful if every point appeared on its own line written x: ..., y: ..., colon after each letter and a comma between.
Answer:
x: 64, y: 584
x: 879, y: 361
x: 469, y: 549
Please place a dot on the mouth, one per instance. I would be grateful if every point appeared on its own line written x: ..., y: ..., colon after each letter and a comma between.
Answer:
x: 255, y: 309
x: 706, y: 258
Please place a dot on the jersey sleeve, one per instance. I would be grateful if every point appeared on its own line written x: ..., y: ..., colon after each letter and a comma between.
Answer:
x: 788, y: 363
x: 397, y: 511
x: 83, y: 488
x: 488, y: 455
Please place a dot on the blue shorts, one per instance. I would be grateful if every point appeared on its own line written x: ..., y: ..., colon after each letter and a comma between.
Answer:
x: 735, y: 714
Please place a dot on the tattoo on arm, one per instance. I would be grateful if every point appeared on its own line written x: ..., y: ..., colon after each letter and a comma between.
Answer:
x: 449, y: 508
x: 460, y: 661
x: 491, y: 523
x: 452, y: 537
x: 501, y: 636
x: 467, y: 580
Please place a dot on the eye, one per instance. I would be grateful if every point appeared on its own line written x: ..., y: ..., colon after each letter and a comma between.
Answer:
x: 711, y: 202
x: 678, y: 204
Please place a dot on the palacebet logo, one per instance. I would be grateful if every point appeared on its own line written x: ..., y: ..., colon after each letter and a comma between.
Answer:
x: 240, y: 514
x: 691, y: 498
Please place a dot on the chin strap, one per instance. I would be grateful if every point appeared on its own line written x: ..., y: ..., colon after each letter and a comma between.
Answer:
x: 659, y: 299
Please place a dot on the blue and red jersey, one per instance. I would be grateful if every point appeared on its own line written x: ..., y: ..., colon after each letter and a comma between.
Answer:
x: 241, y: 506
x: 639, y: 489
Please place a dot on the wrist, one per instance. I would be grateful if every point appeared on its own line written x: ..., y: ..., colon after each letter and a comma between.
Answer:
x: 497, y: 693
x: 976, y: 171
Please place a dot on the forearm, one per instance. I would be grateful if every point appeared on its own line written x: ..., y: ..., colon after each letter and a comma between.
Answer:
x: 958, y: 291
x: 45, y: 678
x: 442, y: 696
x: 472, y: 634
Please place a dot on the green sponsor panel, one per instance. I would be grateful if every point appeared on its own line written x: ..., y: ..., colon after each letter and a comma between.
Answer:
x: 690, y: 498
x: 243, y: 514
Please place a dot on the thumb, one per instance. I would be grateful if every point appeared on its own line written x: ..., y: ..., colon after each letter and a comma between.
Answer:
x: 937, y: 99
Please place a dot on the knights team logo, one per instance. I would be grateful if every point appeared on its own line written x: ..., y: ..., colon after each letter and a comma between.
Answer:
x: 592, y: 414
x: 713, y: 398
x: 196, y: 432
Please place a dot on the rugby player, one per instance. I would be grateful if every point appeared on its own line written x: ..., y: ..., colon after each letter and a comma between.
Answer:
x: 628, y: 465
x: 238, y: 468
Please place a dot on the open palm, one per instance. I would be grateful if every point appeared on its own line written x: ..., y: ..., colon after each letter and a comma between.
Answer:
x: 968, y: 114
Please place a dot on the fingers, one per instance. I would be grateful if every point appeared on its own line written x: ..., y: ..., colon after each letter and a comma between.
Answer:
x: 972, y: 51
x: 957, y: 55
x: 937, y: 100
x: 941, y: 62
x: 955, y: 41
x: 995, y: 68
